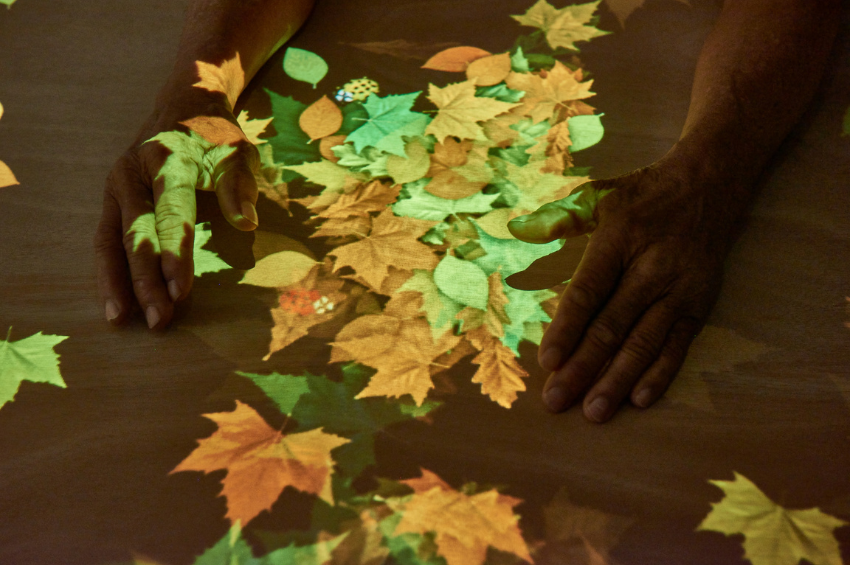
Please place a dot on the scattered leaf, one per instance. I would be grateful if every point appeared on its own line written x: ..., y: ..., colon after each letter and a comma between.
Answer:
x: 412, y: 167
x: 279, y: 270
x: 546, y: 96
x: 455, y: 59
x: 216, y: 130
x: 304, y: 65
x: 563, y: 27
x: 29, y: 359
x: 321, y: 119
x: 227, y: 78
x: 460, y: 110
x: 585, y: 131
x: 462, y: 281
x: 7, y: 178
x: 253, y: 129
x: 390, y: 118
x: 206, y: 261
x: 499, y: 373
x: 489, y: 71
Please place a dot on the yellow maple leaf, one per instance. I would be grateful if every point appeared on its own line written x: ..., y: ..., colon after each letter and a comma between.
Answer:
x: 253, y: 128
x: 373, y: 196
x: 563, y: 27
x: 773, y: 535
x: 261, y: 461
x: 545, y: 96
x: 460, y: 110
x: 446, y: 162
x: 227, y: 78
x: 216, y: 129
x: 499, y: 372
x: 465, y: 525
x: 392, y: 241
x: 402, y: 350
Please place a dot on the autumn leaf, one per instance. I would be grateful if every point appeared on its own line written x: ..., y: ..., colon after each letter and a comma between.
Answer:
x: 455, y: 59
x: 510, y: 255
x: 492, y: 315
x: 460, y: 110
x: 456, y: 171
x: 321, y: 119
x: 261, y: 461
x: 401, y: 350
x: 464, y: 525
x: 373, y: 196
x: 279, y: 270
x: 489, y: 71
x: 390, y: 118
x: 331, y: 175
x: 206, y: 261
x: 227, y: 78
x: 412, y: 167
x: 438, y: 308
x: 545, y: 96
x: 7, y: 177
x: 417, y: 202
x: 29, y: 359
x: 773, y: 535
x: 499, y: 373
x: 253, y: 129
x: 563, y: 27
x: 391, y: 241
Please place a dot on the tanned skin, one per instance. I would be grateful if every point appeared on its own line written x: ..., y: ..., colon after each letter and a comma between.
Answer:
x: 652, y: 269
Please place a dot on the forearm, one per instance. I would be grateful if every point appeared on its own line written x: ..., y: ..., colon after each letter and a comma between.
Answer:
x: 216, y: 30
x: 757, y: 72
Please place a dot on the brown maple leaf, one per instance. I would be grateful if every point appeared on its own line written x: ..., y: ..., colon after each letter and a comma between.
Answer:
x: 499, y: 372
x: 369, y: 197
x: 545, y: 96
x: 445, y: 181
x: 261, y: 461
x: 392, y: 241
x: 464, y: 525
x: 402, y: 350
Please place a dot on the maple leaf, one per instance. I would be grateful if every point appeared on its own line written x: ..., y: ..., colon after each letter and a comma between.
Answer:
x: 331, y: 175
x: 464, y: 525
x: 402, y: 351
x: 29, y: 359
x: 417, y: 202
x: 545, y: 96
x: 493, y: 316
x: 773, y: 535
x: 460, y: 110
x: 499, y: 373
x: 253, y: 128
x: 563, y: 27
x: 227, y: 78
x: 373, y: 196
x: 510, y: 255
x: 439, y: 309
x: 261, y: 461
x: 206, y: 261
x: 370, y: 160
x: 528, y: 187
x: 389, y: 119
x: 391, y: 241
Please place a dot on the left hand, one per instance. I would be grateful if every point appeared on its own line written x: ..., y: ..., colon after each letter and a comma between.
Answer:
x: 643, y: 289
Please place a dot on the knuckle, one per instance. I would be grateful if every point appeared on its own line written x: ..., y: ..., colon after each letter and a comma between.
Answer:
x: 642, y: 347
x: 582, y: 296
x: 604, y: 335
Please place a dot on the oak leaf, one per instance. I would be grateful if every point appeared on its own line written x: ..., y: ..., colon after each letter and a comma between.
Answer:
x: 261, y: 461
x: 455, y: 59
x: 391, y: 241
x: 227, y: 78
x: 321, y: 119
x: 546, y: 96
x: 460, y: 110
x: 464, y: 525
x: 773, y: 535
x: 29, y: 359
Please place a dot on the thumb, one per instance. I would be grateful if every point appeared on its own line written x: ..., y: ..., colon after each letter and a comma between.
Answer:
x: 571, y: 216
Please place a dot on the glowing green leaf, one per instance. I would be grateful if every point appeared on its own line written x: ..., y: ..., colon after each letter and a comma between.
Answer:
x: 526, y: 316
x: 390, y: 118
x: 519, y: 64
x: 509, y: 256
x: 232, y: 549
x: 291, y: 145
x: 463, y: 282
x: 440, y: 309
x: 585, y: 131
x: 314, y: 554
x: 8, y: 2
x: 500, y: 92
x: 304, y: 65
x: 285, y: 390
x: 423, y: 205
x: 30, y: 359
x: 206, y: 261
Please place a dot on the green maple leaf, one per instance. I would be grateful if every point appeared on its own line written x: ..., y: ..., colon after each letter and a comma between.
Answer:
x: 313, y: 554
x: 510, y: 255
x: 773, y: 535
x: 389, y: 119
x: 232, y: 549
x: 423, y: 205
x: 371, y: 160
x: 206, y: 261
x: 316, y: 401
x: 30, y: 359
x: 526, y: 316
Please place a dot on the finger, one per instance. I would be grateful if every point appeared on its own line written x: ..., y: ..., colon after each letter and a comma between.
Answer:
x: 639, y: 350
x: 654, y: 382
x: 236, y: 187
x: 175, y: 213
x: 594, y: 279
x: 141, y: 246
x: 113, y: 275
x: 568, y: 217
x: 601, y: 339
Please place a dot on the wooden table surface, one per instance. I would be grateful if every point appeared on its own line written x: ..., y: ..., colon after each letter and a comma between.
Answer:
x: 84, y: 470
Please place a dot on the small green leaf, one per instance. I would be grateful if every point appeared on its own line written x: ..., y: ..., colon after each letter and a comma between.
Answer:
x: 519, y: 64
x: 206, y: 261
x: 285, y: 390
x: 585, y: 131
x: 304, y: 65
x: 30, y: 359
x: 463, y: 282
x: 423, y: 205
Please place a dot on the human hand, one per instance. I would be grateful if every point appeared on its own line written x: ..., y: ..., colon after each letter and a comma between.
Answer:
x: 145, y: 239
x: 643, y: 289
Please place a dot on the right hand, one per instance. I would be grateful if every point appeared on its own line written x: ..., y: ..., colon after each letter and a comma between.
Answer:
x: 145, y: 239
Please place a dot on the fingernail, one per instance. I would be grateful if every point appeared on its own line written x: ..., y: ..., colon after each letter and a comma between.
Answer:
x: 152, y: 315
x: 520, y: 219
x: 112, y: 310
x: 250, y: 213
x: 598, y: 409
x: 173, y: 290
x: 555, y: 398
x: 550, y: 359
x: 643, y: 398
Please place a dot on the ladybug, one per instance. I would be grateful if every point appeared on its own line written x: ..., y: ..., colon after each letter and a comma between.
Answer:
x: 357, y: 89
x: 300, y: 301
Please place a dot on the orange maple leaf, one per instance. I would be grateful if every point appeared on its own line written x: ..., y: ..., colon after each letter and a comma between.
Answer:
x: 373, y: 196
x: 499, y: 373
x: 216, y: 129
x: 227, y: 78
x: 465, y: 525
x: 402, y: 350
x: 391, y: 241
x: 261, y: 461
x: 546, y: 96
